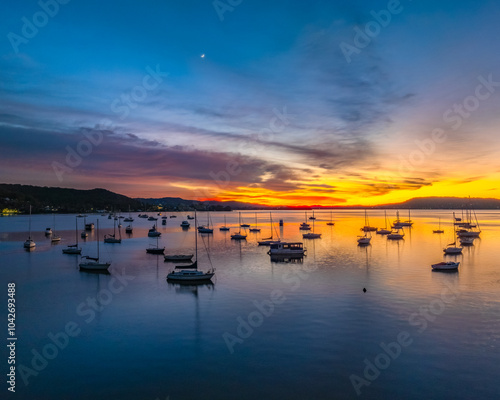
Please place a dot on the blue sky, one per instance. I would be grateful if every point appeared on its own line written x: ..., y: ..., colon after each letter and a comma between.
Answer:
x: 347, y: 125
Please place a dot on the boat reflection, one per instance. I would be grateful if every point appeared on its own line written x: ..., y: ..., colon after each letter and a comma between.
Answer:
x: 287, y: 259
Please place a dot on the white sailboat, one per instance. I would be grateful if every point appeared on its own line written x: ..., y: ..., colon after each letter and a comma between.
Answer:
x: 112, y: 238
x: 92, y: 263
x: 366, y: 238
x: 312, y: 235
x: 396, y: 234
x: 269, y: 240
x: 239, y: 235
x: 451, y: 248
x: 304, y: 226
x: 190, y: 273
x: 384, y: 231
x: 55, y: 238
x: 73, y: 248
x: 208, y: 228
x: 256, y: 229
x: 29, y: 243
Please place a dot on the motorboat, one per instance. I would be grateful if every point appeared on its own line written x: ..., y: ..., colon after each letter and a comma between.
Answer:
x: 446, y: 266
x: 287, y: 249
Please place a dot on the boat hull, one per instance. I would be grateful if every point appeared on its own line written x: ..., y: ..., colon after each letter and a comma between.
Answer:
x: 179, y: 257
x: 94, y: 266
x: 183, y: 276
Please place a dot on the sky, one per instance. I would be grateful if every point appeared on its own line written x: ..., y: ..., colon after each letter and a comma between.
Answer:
x: 278, y: 103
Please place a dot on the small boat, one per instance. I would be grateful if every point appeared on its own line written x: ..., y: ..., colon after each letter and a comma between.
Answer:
x: 239, y: 235
x: 84, y: 235
x: 155, y: 250
x: 439, y: 230
x: 452, y: 249
x: 287, y: 249
x: 466, y: 241
x: 55, y: 238
x: 179, y: 257
x: 29, y: 243
x: 367, y: 227
x: 269, y: 240
x: 190, y: 217
x: 153, y: 232
x: 129, y: 229
x: 129, y: 218
x: 446, y: 266
x: 384, y: 231
x: 313, y: 217
x: 224, y: 227
x: 112, y: 238
x: 185, y: 224
x: 312, y: 235
x: 396, y: 235
x: 256, y: 229
x: 366, y: 238
x: 164, y: 222
x: 304, y: 226
x: 192, y: 274
x: 331, y: 223
x: 143, y: 216
x: 164, y: 217
x: 152, y: 219
x: 204, y: 229
x: 92, y: 263
x: 173, y: 216
x: 399, y: 223
x: 89, y: 227
x: 48, y: 232
x: 73, y: 248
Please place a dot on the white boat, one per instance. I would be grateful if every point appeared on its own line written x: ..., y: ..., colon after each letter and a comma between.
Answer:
x: 92, y: 263
x: 112, y: 238
x: 153, y: 232
x: 206, y: 228
x: 289, y: 249
x: 239, y: 235
x: 55, y: 238
x: 256, y: 229
x: 366, y: 238
x: 269, y: 240
x: 48, y: 232
x: 73, y: 248
x: 311, y: 235
x: 384, y: 231
x: 185, y: 224
x: 224, y: 228
x: 190, y: 273
x: 29, y: 243
x: 446, y: 266
x: 466, y: 241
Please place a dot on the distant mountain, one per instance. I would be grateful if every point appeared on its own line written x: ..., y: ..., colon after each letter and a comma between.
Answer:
x: 176, y: 203
x: 446, y: 203
x: 44, y: 199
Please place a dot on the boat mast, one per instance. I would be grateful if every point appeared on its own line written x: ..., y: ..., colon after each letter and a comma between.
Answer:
x: 98, y: 240
x: 76, y: 230
x: 196, y: 236
x: 29, y: 223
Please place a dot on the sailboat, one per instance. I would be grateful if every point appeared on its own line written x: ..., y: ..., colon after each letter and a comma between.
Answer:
x: 367, y: 227
x: 84, y: 234
x: 439, y: 230
x: 311, y: 235
x: 207, y: 228
x: 73, y: 248
x: 155, y: 250
x: 55, y: 238
x: 224, y: 227
x: 190, y: 273
x: 468, y: 228
x: 93, y: 264
x: 153, y: 232
x: 331, y: 219
x: 396, y: 234
x: 399, y: 223
x: 29, y: 243
x: 304, y: 226
x: 452, y: 248
x: 244, y: 225
x: 239, y: 235
x: 112, y: 238
x: 269, y: 241
x: 384, y: 231
x: 129, y: 218
x: 366, y: 238
x: 313, y: 217
x: 256, y: 229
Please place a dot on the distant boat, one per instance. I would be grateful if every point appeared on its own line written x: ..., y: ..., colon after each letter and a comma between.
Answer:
x: 313, y: 217
x: 331, y: 223
x: 312, y: 235
x: 155, y: 250
x: 304, y: 226
x: 269, y: 240
x: 256, y: 228
x: 152, y: 219
x: 143, y: 215
x: 396, y: 234
x: 185, y: 224
x: 366, y: 238
x: 164, y: 222
x: 73, y: 248
x: 466, y: 241
x: 89, y: 226
x: 129, y: 218
x: 224, y: 227
x: 289, y: 249
x: 446, y: 266
x: 190, y: 217
x: 384, y: 231
x: 469, y: 228
x: 244, y: 225
x: 112, y: 238
x: 129, y: 229
x: 439, y: 230
x: 398, y: 223
x: 55, y: 238
x: 367, y: 227
x: 153, y: 232
x: 239, y: 235
x: 29, y: 243
x: 206, y: 228
x: 173, y: 216
x: 179, y: 257
x: 48, y: 232
x: 93, y: 264
x: 190, y: 273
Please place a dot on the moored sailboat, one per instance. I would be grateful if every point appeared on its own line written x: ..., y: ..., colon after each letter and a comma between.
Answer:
x: 93, y: 263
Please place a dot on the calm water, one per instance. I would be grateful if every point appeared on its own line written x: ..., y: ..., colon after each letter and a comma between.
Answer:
x: 149, y: 339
